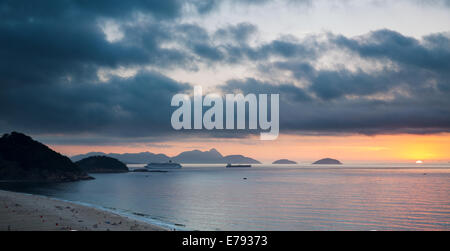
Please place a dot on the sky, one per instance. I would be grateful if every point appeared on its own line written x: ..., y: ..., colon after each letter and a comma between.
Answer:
x: 364, y: 80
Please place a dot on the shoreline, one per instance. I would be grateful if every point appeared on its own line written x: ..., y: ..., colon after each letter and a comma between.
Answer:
x: 28, y: 212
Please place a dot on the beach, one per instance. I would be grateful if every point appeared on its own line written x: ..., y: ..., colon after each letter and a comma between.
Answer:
x: 25, y: 212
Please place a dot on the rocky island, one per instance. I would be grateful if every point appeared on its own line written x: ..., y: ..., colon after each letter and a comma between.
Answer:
x: 102, y: 164
x: 239, y: 159
x: 24, y: 159
x: 327, y: 161
x: 284, y: 162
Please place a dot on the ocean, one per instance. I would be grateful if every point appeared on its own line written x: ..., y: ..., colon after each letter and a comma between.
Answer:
x: 271, y: 197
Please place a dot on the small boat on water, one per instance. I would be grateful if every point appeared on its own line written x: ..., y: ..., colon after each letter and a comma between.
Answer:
x: 238, y: 166
x: 166, y: 165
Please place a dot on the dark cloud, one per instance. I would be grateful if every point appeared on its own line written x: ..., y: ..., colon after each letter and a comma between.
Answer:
x: 206, y: 6
x: 208, y: 52
x: 299, y: 113
x: 48, y: 51
x: 46, y: 42
x: 50, y: 9
x: 251, y: 85
x: 407, y: 95
x: 231, y: 44
x: 133, y: 107
x: 52, y: 52
x: 432, y: 54
x: 239, y: 33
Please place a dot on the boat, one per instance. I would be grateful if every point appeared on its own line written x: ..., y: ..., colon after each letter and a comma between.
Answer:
x: 229, y: 165
x: 165, y: 165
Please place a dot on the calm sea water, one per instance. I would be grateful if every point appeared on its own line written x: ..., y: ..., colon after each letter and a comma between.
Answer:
x: 301, y: 197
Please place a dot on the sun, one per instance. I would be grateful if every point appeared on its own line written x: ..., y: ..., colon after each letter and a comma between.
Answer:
x: 419, y: 162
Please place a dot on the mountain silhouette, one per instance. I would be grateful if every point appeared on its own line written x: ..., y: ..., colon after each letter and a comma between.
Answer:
x: 128, y: 158
x: 102, y: 164
x: 327, y: 161
x: 24, y: 159
x: 239, y: 159
x: 188, y: 157
x: 284, y: 162
x: 207, y: 157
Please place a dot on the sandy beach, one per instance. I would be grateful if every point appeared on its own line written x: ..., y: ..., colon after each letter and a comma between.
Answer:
x: 24, y: 212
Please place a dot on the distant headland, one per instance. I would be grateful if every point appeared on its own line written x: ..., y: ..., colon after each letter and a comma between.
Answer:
x: 24, y: 159
x: 327, y: 161
x: 102, y: 164
x: 188, y: 157
x: 284, y: 162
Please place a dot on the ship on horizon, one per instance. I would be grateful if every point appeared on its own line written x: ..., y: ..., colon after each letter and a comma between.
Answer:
x: 164, y: 165
x: 229, y: 165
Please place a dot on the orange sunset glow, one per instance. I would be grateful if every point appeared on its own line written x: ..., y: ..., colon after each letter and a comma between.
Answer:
x: 397, y: 148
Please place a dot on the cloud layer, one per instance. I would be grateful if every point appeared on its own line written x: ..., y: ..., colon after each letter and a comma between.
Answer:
x: 54, y: 54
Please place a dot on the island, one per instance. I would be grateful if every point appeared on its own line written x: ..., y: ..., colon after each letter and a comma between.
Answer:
x: 24, y: 159
x: 102, y: 164
x: 284, y: 162
x: 327, y: 161
x: 239, y: 159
